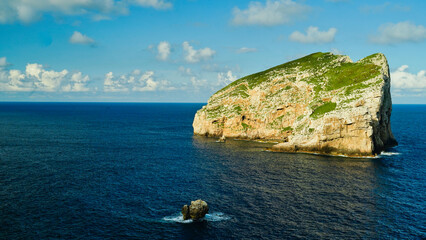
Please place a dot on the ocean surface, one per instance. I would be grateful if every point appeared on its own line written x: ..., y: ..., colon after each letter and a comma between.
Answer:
x: 123, y: 171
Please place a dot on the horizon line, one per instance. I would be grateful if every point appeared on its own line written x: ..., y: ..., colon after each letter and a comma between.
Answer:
x: 147, y: 102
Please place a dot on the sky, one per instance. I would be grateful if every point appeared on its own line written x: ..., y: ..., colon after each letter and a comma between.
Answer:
x: 186, y: 50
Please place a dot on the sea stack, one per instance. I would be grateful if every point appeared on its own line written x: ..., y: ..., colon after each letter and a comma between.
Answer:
x: 321, y: 103
x: 197, y: 210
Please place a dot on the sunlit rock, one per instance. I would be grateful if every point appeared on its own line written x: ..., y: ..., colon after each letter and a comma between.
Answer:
x: 197, y: 210
x: 321, y: 103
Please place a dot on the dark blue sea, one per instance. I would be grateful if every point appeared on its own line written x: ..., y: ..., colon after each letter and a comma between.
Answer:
x: 124, y: 170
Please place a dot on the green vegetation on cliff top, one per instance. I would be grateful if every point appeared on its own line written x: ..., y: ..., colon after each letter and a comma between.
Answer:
x: 335, y: 76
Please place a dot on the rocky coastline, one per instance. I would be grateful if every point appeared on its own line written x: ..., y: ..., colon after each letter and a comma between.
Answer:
x: 321, y: 103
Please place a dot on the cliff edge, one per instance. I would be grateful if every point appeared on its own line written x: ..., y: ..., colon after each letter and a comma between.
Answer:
x: 321, y: 103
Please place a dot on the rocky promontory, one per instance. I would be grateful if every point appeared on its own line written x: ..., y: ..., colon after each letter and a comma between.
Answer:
x: 321, y: 103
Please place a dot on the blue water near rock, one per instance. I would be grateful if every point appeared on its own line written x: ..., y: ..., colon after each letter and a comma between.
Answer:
x: 123, y: 171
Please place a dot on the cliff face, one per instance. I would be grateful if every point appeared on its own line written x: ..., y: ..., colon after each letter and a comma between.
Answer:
x: 321, y: 103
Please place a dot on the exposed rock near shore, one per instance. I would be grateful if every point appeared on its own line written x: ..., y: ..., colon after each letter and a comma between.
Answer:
x: 197, y: 210
x: 321, y: 103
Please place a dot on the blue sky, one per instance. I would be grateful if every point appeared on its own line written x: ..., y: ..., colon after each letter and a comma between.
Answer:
x: 185, y: 50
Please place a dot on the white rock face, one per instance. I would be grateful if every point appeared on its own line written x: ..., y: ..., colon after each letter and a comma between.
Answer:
x: 321, y: 103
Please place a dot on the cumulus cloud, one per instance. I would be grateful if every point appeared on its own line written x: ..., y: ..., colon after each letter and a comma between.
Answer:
x: 269, y: 14
x: 404, y: 81
x: 225, y: 78
x: 194, y: 56
x: 246, y: 50
x: 136, y: 81
x: 146, y: 83
x: 47, y: 81
x: 37, y: 78
x: 77, y: 83
x: 112, y: 84
x: 198, y: 83
x: 163, y: 50
x: 29, y: 11
x: 14, y: 81
x: 79, y: 38
x: 392, y: 33
x: 313, y: 35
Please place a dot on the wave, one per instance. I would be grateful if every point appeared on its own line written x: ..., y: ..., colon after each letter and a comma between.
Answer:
x: 389, y: 153
x: 176, y: 219
x: 216, y: 217
x: 213, y: 217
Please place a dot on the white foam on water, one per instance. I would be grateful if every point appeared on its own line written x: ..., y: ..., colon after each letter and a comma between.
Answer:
x: 213, y: 217
x: 176, y: 219
x: 389, y: 153
x: 216, y: 217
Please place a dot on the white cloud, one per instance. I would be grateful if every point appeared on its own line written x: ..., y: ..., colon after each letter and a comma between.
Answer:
x: 29, y: 11
x: 246, y: 50
x: 77, y: 83
x: 3, y: 62
x: 402, y: 80
x: 269, y: 14
x: 112, y: 84
x: 198, y: 83
x: 79, y: 38
x: 136, y: 72
x: 391, y: 33
x: 163, y: 50
x: 225, y: 78
x: 157, y: 4
x: 16, y: 82
x: 135, y: 81
x: 37, y: 78
x: 146, y: 83
x: 194, y: 56
x: 47, y: 81
x: 313, y: 35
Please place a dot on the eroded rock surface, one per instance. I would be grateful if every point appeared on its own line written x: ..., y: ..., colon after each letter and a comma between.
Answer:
x: 321, y: 103
x: 197, y: 210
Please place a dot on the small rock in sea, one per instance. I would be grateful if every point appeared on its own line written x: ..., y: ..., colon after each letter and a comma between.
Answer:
x: 197, y: 210
x: 222, y: 139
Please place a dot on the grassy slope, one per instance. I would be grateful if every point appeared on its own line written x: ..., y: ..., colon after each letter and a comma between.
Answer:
x: 325, y: 76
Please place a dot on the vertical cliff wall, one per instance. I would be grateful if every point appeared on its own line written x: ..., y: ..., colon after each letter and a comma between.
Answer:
x: 321, y: 103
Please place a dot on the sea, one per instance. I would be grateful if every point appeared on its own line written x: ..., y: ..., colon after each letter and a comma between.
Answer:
x: 124, y: 171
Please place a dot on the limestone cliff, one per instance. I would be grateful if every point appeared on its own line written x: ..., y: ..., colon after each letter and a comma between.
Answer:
x: 321, y: 103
